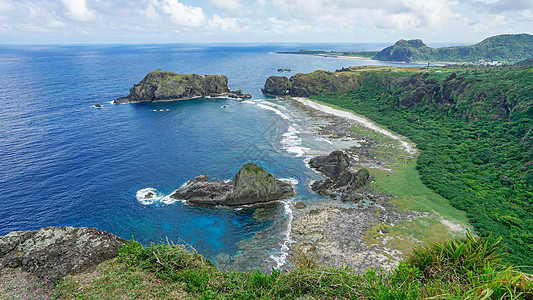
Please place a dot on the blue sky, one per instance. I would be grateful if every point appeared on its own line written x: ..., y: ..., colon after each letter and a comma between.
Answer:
x: 181, y: 21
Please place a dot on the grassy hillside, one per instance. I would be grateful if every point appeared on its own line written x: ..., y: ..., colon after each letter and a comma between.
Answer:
x: 458, y: 269
x: 475, y: 131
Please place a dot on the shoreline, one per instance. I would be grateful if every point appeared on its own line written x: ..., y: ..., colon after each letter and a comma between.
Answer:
x: 436, y: 63
x: 409, y: 147
x: 371, y: 230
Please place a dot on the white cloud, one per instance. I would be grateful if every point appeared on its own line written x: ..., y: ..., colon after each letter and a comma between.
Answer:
x: 181, y: 14
x: 261, y: 20
x: 231, y: 5
x: 77, y: 10
x: 225, y: 24
x: 6, y: 7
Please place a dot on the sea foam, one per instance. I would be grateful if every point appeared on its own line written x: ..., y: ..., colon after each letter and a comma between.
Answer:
x: 157, y: 197
x: 280, y: 258
x: 291, y: 142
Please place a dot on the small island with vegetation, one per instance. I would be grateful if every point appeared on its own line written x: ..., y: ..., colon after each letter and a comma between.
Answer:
x: 160, y: 86
x: 251, y: 185
x: 500, y: 49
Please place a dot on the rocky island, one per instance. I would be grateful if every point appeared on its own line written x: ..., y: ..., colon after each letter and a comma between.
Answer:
x: 160, y: 86
x: 251, y: 185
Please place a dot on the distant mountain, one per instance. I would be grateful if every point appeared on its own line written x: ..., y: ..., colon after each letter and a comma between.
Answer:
x: 404, y: 50
x: 506, y: 48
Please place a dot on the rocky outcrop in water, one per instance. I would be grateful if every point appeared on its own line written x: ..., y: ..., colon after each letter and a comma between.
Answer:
x: 168, y: 86
x: 56, y: 252
x: 251, y: 185
x: 340, y: 181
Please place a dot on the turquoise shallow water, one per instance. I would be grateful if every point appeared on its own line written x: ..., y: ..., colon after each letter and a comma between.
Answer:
x: 63, y: 162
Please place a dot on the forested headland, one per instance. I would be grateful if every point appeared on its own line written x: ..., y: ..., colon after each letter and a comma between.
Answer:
x: 474, y: 129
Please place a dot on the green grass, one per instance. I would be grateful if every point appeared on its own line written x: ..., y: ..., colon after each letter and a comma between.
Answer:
x: 404, y: 183
x: 411, y: 194
x: 457, y: 269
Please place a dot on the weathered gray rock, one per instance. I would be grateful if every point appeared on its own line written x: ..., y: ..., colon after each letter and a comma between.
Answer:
x: 251, y: 185
x: 341, y: 181
x: 55, y: 252
x: 161, y: 85
x: 201, y: 191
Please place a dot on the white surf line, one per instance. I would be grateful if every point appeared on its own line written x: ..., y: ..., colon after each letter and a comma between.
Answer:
x: 409, y: 147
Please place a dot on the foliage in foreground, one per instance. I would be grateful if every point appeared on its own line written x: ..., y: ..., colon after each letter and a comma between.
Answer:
x: 468, y: 268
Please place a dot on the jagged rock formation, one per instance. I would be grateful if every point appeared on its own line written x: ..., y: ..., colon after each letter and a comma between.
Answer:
x: 168, y: 86
x: 340, y: 180
x: 56, y: 252
x: 251, y: 185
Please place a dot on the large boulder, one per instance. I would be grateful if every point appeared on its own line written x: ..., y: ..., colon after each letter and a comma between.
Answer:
x: 56, y: 252
x: 251, y: 185
x: 161, y: 85
x: 340, y: 181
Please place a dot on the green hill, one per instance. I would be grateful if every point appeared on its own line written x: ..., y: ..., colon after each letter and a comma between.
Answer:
x: 507, y: 48
x: 504, y: 49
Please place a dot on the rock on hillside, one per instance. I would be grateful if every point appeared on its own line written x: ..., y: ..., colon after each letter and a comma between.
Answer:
x: 161, y: 85
x: 251, y: 185
x: 56, y: 252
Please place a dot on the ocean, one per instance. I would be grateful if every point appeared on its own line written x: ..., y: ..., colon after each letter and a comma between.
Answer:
x: 64, y: 162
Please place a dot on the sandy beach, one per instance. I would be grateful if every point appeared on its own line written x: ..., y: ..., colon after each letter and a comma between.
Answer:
x: 409, y: 147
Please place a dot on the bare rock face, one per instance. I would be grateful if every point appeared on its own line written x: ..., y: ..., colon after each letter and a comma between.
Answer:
x: 251, y: 185
x: 341, y: 181
x: 56, y: 252
x: 201, y: 191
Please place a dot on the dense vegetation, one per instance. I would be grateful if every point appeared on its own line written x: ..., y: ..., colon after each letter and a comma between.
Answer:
x: 474, y: 128
x: 506, y: 48
x: 458, y: 269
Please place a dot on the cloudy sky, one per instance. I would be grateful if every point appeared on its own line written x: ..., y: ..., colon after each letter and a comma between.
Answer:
x: 178, y: 21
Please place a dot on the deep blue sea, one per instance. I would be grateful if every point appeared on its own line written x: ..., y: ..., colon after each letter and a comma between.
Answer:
x: 64, y: 162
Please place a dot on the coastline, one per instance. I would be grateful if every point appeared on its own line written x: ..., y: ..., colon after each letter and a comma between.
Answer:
x: 372, y: 231
x: 436, y: 63
x: 409, y: 147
